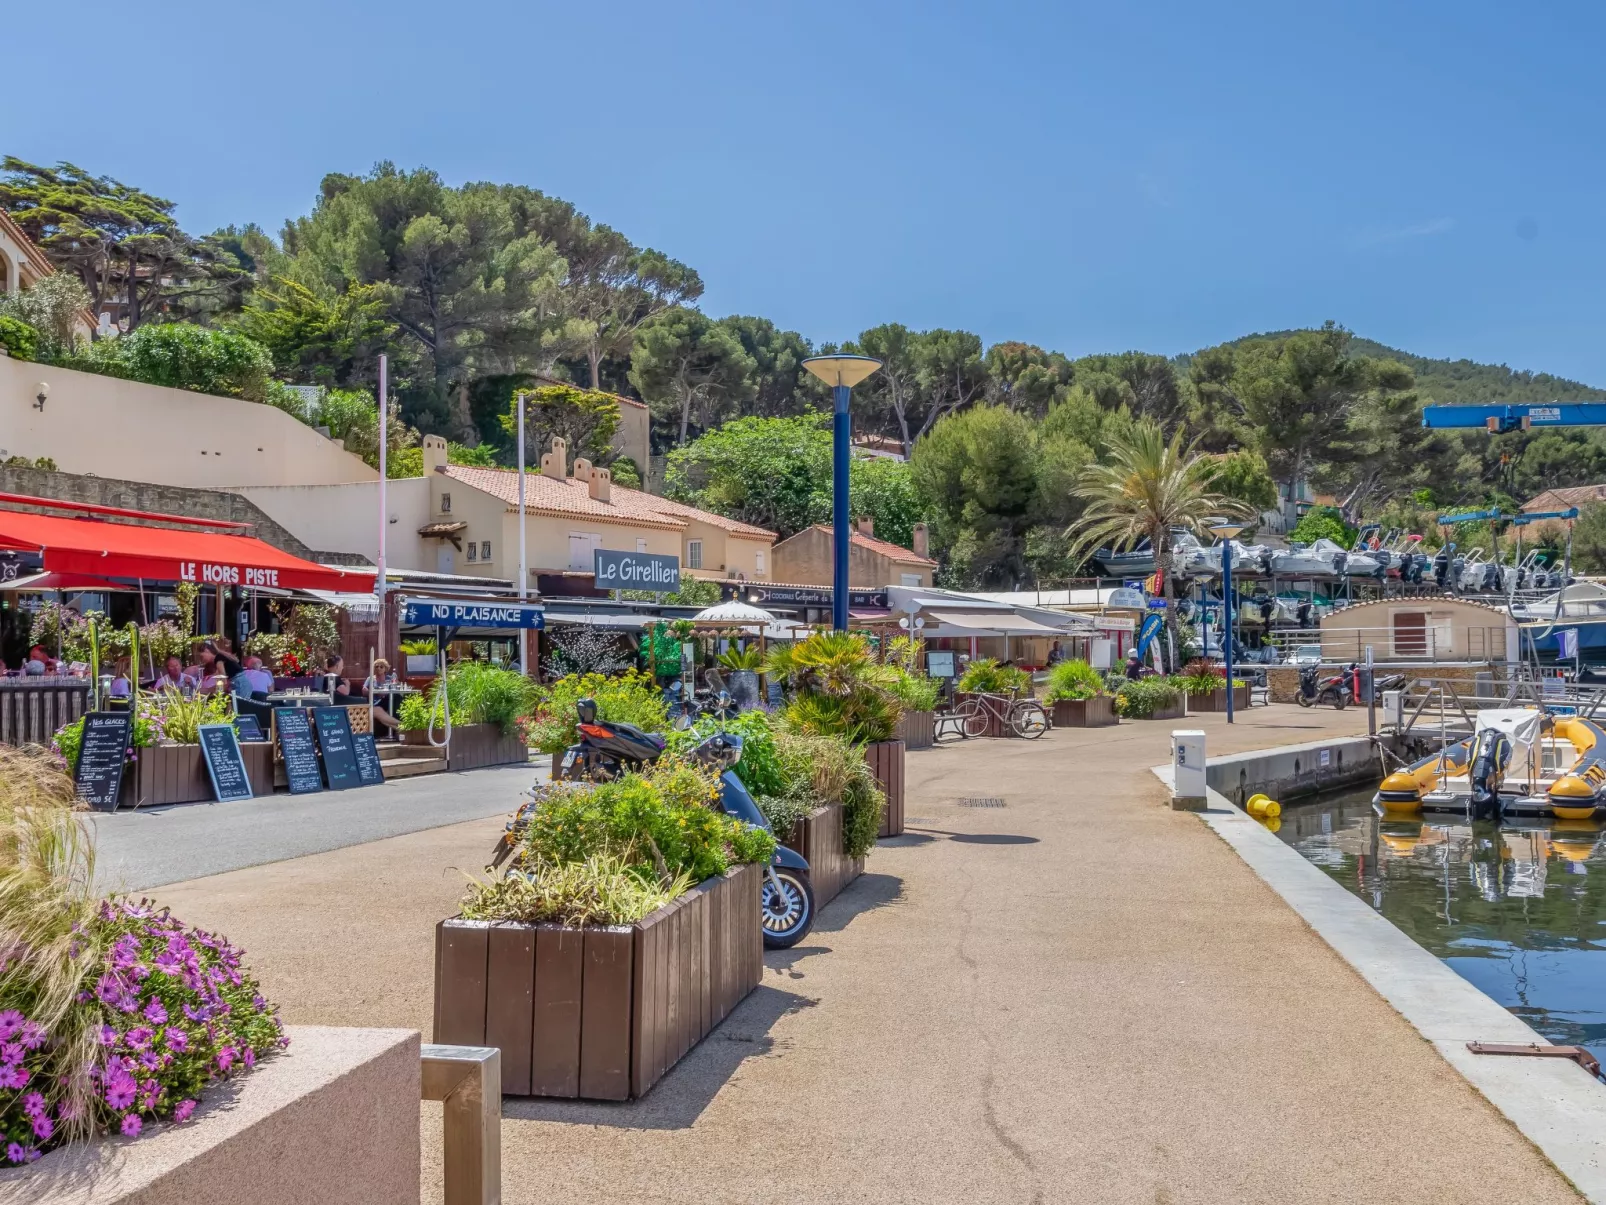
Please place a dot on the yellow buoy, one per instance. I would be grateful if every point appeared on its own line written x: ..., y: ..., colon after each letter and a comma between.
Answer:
x: 1263, y: 808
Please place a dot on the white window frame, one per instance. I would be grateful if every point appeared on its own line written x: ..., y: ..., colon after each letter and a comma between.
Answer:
x: 593, y: 541
x: 694, y: 554
x: 758, y: 561
x: 485, y: 550
x: 446, y: 504
x: 472, y: 549
x: 641, y: 544
x: 910, y: 579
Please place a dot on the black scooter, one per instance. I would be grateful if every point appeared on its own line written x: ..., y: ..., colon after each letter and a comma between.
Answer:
x: 1334, y: 690
x: 607, y: 748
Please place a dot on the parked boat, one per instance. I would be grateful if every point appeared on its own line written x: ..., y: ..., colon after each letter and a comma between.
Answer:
x: 1518, y: 761
x: 1138, y: 562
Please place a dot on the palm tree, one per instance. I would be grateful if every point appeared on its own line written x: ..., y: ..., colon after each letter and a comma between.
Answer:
x: 1149, y: 485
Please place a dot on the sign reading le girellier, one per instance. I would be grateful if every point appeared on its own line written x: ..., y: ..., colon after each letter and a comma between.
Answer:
x: 636, y: 571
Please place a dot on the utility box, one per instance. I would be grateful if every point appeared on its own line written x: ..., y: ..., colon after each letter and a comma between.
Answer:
x: 1394, y: 709
x: 1188, y: 770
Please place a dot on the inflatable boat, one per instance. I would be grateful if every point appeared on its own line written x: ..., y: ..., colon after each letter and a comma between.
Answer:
x: 1519, y: 761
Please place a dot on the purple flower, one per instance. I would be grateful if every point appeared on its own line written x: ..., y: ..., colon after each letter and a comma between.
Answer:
x: 148, y: 1092
x: 43, y: 1128
x: 185, y: 1108
x: 11, y: 1052
x: 154, y: 1012
x: 132, y: 1125
x: 150, y: 1060
x: 14, y: 1076
x: 18, y: 1153
x: 249, y: 1056
x: 177, y: 1039
x: 31, y: 1035
x: 225, y: 1058
x: 109, y: 988
x: 10, y: 1021
x: 33, y: 1105
x: 139, y: 1037
x: 120, y: 1091
x: 108, y: 1035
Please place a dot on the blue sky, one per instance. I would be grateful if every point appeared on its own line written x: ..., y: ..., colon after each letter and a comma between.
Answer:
x: 1089, y: 177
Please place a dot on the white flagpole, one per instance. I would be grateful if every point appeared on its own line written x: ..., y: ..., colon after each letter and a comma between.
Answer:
x: 524, y: 569
x: 384, y: 505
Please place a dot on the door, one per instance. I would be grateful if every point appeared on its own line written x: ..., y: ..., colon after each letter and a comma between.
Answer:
x: 445, y: 559
x: 581, y: 546
x: 1410, y: 634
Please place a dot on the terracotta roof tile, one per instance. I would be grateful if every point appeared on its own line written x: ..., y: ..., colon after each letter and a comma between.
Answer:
x: 1562, y: 498
x: 893, y: 552
x: 572, y: 497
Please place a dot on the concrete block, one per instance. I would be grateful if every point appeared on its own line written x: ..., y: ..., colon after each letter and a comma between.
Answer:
x: 333, y: 1120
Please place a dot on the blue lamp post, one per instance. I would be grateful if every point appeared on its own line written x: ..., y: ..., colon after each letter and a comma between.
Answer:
x: 842, y: 373
x: 1228, y: 531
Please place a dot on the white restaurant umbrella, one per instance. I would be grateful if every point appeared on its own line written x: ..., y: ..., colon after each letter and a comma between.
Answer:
x: 735, y: 614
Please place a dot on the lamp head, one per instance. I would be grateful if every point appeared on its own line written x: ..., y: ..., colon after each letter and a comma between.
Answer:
x: 841, y: 370
x: 1227, y: 529
x: 39, y: 398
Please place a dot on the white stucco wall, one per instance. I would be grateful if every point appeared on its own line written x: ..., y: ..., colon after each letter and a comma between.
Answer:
x: 116, y: 428
x: 345, y: 518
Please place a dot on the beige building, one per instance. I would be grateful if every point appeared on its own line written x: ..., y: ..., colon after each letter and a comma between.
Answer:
x: 463, y: 520
x: 806, y: 559
x: 1419, y: 630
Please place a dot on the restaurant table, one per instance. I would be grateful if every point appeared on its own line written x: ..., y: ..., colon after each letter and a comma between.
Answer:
x: 296, y: 698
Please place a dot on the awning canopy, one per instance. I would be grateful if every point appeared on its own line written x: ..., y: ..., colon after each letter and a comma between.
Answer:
x: 163, y: 554
x: 989, y: 622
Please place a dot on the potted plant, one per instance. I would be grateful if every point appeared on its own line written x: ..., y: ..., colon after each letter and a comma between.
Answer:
x: 113, y: 1014
x: 742, y: 676
x: 637, y: 897
x: 917, y: 693
x: 1206, y: 687
x: 1149, y: 699
x: 839, y: 689
x: 628, y: 698
x: 1077, y: 697
x: 488, y: 706
x: 419, y: 656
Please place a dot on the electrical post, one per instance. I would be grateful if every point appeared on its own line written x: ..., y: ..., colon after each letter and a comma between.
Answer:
x: 524, y: 569
x: 384, y: 503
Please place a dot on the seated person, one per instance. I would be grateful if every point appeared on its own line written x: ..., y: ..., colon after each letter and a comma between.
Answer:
x: 253, y: 680
x: 120, y: 687
x: 216, y: 663
x: 174, y: 677
x: 38, y: 656
x: 343, y: 696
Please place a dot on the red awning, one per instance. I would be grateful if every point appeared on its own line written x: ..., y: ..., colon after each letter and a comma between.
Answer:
x: 161, y: 554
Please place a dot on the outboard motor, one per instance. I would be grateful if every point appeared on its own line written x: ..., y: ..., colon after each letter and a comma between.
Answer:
x: 1441, y: 565
x: 1489, y: 757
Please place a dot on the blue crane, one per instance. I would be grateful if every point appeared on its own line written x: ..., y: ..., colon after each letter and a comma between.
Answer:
x: 1499, y: 419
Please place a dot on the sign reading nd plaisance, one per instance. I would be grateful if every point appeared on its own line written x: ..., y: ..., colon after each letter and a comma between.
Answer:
x: 636, y: 571
x: 430, y: 613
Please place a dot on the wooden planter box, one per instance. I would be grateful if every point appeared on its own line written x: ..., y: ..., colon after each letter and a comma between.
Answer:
x: 600, y: 1013
x: 917, y: 729
x: 1173, y: 711
x: 1097, y: 712
x: 476, y: 745
x: 177, y: 774
x: 1216, y: 700
x: 32, y: 714
x: 886, y: 763
x: 818, y: 837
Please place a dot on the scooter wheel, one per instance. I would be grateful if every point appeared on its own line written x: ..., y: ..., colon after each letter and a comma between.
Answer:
x: 1305, y: 702
x: 786, y: 902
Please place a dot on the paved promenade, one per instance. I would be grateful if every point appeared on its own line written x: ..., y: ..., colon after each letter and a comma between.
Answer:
x: 1080, y: 996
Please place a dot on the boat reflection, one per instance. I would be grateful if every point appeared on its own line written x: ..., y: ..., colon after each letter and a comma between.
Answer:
x: 1517, y: 908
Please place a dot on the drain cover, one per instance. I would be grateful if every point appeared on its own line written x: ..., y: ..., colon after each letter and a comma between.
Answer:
x: 985, y: 801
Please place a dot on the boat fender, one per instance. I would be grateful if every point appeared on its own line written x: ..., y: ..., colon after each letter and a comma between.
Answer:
x: 1263, y: 808
x: 1400, y: 792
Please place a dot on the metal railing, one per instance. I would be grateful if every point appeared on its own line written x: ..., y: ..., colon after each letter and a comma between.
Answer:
x: 1424, y: 645
x: 468, y: 1080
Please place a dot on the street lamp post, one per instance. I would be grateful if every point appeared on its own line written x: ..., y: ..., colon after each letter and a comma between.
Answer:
x: 842, y: 373
x: 1228, y: 531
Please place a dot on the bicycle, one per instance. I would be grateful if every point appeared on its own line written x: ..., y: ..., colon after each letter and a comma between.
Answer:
x: 1024, y: 717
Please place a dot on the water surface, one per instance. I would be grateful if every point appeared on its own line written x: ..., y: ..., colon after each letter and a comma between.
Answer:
x: 1519, y: 910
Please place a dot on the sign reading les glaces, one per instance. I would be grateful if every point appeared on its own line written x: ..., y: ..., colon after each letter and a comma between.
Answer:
x: 636, y: 571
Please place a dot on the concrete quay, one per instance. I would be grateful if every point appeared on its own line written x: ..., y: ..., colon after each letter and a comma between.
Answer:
x: 1079, y: 995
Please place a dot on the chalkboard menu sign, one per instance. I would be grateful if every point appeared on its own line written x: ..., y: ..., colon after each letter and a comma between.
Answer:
x: 224, y: 762
x: 334, y: 738
x: 298, y: 750
x: 368, y: 766
x: 98, y: 780
x: 250, y: 731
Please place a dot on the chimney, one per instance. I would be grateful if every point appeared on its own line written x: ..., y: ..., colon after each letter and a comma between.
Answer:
x: 434, y: 454
x: 866, y: 526
x: 921, y: 542
x: 555, y: 464
x: 582, y: 469
x: 600, y: 484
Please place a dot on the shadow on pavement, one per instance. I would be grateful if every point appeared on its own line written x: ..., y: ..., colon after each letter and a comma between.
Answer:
x: 864, y: 893
x: 678, y: 1100
x: 902, y: 841
x: 983, y: 838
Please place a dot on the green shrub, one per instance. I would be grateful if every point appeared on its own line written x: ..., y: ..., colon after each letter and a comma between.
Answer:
x: 1073, y: 680
x: 179, y: 720
x: 491, y: 695
x: 838, y: 689
x: 986, y: 676
x: 1142, y: 697
x: 602, y: 890
x: 662, y: 823
x: 914, y: 691
x: 828, y: 769
x: 739, y: 659
x: 628, y: 698
x: 418, y: 648
x: 760, y: 768
x: 70, y: 738
x: 18, y: 338
x: 182, y: 355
